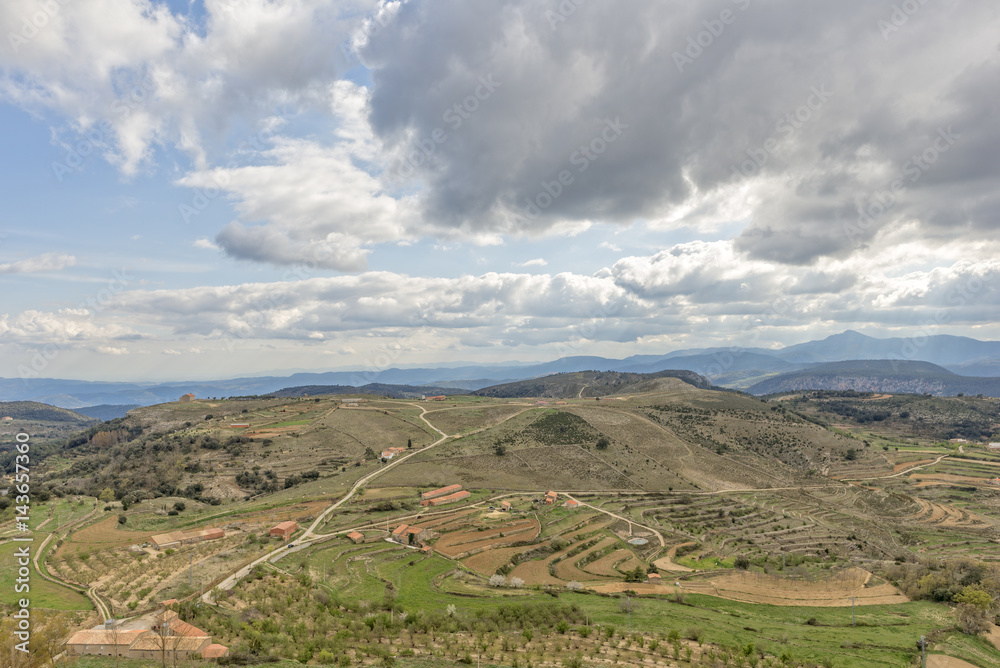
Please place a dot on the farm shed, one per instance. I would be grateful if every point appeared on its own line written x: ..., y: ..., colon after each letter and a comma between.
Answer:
x: 284, y: 529
x: 440, y: 492
x: 214, y: 651
x: 186, y: 398
x: 392, y: 452
x: 654, y: 578
x: 505, y: 505
x: 572, y: 504
x: 443, y: 500
x: 356, y: 537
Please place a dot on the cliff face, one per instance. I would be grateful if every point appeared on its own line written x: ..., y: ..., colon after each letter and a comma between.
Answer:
x: 892, y: 377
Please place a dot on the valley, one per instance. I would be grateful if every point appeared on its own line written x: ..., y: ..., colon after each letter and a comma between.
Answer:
x: 725, y: 529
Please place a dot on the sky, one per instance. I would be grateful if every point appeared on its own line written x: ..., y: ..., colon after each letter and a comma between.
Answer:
x: 223, y: 188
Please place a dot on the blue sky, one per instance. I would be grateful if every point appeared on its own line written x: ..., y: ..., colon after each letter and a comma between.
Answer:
x: 293, y: 185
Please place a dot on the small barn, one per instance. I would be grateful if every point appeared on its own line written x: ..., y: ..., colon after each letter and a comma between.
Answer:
x: 356, y: 537
x: 284, y: 530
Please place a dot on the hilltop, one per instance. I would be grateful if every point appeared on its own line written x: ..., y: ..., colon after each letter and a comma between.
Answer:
x: 35, y: 411
x: 592, y: 384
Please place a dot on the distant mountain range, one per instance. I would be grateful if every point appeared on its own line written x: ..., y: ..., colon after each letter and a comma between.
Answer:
x: 742, y: 368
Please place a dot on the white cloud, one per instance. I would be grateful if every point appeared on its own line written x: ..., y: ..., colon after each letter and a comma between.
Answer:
x: 205, y: 244
x: 38, y: 264
x: 537, y: 262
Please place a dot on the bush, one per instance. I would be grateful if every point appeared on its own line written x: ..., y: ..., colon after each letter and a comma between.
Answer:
x: 122, y: 519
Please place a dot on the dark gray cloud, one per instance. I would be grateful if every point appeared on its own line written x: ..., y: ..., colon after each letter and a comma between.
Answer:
x: 816, y: 108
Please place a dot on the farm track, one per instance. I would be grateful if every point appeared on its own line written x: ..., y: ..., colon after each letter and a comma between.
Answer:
x: 310, y: 538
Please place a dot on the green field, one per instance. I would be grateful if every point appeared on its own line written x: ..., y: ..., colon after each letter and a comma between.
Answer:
x: 43, y: 594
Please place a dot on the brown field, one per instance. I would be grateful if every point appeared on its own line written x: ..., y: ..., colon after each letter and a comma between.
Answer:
x: 567, y: 569
x: 834, y: 591
x: 943, y: 515
x: 440, y: 521
x: 623, y: 559
x: 103, y: 535
x: 489, y: 561
x: 458, y: 543
x: 666, y: 563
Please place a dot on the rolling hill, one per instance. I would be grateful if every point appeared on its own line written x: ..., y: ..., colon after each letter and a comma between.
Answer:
x: 39, y: 412
x: 879, y: 376
x: 590, y: 384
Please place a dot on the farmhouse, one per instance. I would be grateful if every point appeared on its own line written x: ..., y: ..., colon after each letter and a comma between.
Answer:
x: 178, y: 538
x: 186, y: 398
x: 443, y: 500
x: 505, y: 506
x: 284, y: 529
x: 409, y: 535
x: 654, y: 578
x: 572, y: 504
x: 96, y: 642
x: 550, y: 498
x: 392, y: 452
x: 356, y: 537
x: 440, y: 492
x: 438, y: 398
x: 153, y: 646
x: 7, y: 418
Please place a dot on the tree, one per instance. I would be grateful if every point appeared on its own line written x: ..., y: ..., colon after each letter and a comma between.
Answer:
x: 500, y: 449
x: 603, y: 443
x: 122, y: 519
x: 409, y: 444
x: 973, y: 611
x: 498, y: 580
x: 107, y: 495
x: 742, y: 563
x: 972, y: 619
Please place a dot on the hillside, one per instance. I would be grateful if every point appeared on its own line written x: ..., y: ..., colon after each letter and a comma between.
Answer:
x: 39, y: 412
x: 106, y: 411
x: 879, y: 376
x: 375, y: 389
x: 590, y: 384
